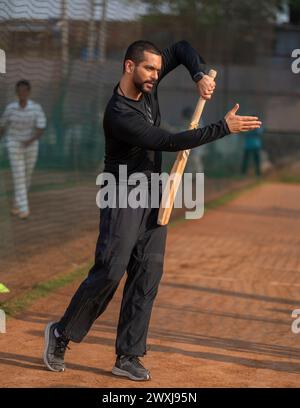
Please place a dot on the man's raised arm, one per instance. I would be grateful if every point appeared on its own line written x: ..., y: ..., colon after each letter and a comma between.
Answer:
x: 183, y: 53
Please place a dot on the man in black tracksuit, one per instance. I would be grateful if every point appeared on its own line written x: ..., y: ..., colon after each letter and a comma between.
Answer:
x: 130, y: 238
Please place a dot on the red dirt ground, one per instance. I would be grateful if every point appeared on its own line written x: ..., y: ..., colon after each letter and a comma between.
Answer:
x: 222, y: 317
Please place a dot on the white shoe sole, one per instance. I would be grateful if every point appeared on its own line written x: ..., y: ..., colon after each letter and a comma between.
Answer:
x: 47, y: 333
x: 123, y: 373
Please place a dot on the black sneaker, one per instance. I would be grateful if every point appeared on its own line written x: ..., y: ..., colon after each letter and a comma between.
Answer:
x: 131, y: 367
x: 55, y: 348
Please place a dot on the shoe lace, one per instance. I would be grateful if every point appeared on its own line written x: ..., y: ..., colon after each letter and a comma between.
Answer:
x: 61, y: 346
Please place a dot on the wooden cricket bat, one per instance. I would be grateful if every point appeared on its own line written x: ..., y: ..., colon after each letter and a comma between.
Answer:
x: 169, y: 193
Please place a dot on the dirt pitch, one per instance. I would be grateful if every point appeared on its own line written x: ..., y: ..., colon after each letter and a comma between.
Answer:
x: 222, y: 316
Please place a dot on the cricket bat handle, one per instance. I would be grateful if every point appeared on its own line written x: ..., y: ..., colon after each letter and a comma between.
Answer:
x: 169, y: 193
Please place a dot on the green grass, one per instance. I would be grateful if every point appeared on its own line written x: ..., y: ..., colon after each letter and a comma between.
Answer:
x: 226, y: 198
x: 222, y: 200
x: 16, y: 305
x: 289, y: 178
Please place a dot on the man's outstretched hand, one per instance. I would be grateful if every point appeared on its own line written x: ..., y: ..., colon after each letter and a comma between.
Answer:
x: 238, y: 123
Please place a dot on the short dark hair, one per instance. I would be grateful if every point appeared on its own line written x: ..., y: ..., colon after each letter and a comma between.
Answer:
x: 135, y: 51
x: 23, y: 82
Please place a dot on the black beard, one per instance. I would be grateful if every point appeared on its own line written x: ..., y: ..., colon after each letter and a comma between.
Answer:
x: 140, y: 86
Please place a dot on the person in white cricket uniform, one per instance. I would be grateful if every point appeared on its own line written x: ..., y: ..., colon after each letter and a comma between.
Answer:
x: 23, y: 123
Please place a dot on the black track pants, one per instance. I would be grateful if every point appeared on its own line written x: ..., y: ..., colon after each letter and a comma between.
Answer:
x: 130, y: 239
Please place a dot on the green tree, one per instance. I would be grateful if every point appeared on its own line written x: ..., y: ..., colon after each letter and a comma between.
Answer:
x: 295, y: 11
x: 214, y: 11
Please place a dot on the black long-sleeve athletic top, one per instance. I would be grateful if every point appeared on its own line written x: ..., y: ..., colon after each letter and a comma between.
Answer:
x: 131, y: 127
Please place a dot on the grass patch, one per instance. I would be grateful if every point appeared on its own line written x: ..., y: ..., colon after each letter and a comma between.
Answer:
x: 15, y: 306
x: 222, y: 200
x: 227, y: 197
x: 289, y: 178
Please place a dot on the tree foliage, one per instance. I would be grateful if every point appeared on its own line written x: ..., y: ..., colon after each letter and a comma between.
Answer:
x: 217, y: 11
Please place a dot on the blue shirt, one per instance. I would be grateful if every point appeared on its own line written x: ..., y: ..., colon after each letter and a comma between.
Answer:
x: 253, y: 139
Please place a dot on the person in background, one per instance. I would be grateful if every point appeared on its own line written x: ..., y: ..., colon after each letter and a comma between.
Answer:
x: 195, y: 160
x: 252, y: 148
x: 23, y: 123
x: 195, y: 163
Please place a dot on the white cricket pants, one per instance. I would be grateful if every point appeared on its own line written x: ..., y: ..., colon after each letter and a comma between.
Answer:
x: 22, y: 161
